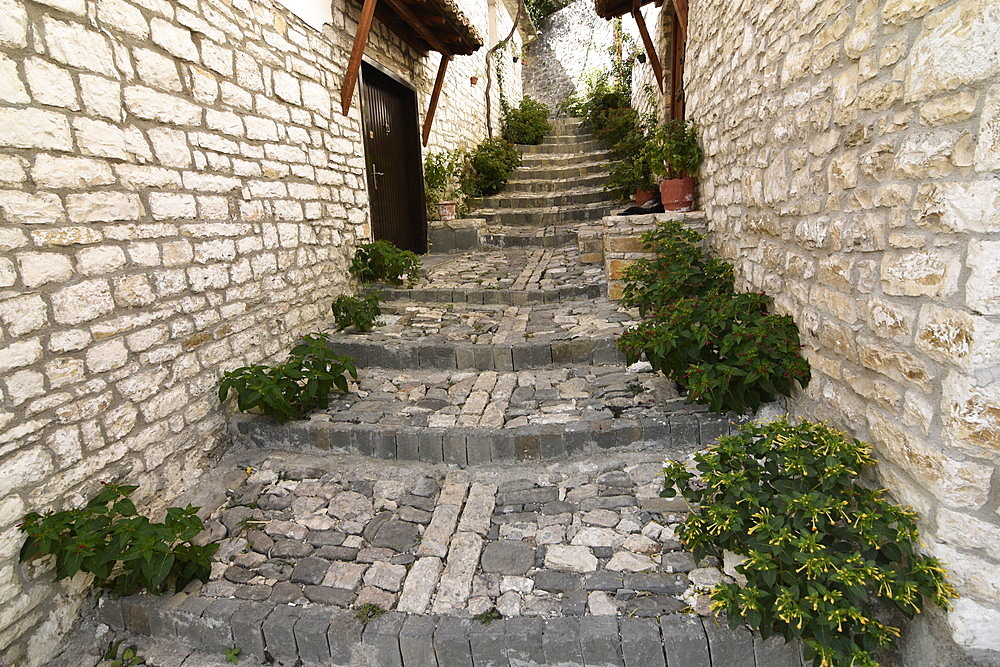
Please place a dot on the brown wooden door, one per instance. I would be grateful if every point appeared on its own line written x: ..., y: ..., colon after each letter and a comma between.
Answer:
x: 677, y: 70
x: 392, y: 158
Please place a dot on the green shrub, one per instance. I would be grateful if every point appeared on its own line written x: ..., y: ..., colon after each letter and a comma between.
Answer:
x: 679, y: 268
x: 826, y: 561
x: 490, y: 165
x: 382, y: 262
x: 295, y: 388
x: 540, y: 10
x: 360, y: 312
x: 725, y: 349
x: 527, y: 123
x: 674, y: 150
x: 124, y: 550
x: 442, y: 179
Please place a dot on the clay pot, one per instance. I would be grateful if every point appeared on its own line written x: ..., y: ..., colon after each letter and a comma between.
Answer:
x: 643, y: 196
x: 446, y: 210
x: 473, y: 80
x: 677, y: 194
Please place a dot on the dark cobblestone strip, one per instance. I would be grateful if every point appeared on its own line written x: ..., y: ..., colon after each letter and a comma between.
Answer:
x: 472, y: 446
x: 484, y: 357
x: 317, y: 635
x: 492, y: 296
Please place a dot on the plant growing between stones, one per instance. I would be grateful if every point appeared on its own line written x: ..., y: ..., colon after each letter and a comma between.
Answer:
x: 726, y: 349
x: 293, y: 389
x: 382, y: 262
x: 826, y: 561
x: 369, y: 611
x: 488, y: 616
x: 362, y: 313
x: 232, y: 655
x: 124, y: 550
x: 129, y: 655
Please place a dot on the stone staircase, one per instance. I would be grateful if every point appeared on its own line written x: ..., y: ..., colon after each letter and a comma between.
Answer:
x: 559, y: 181
x: 495, y: 455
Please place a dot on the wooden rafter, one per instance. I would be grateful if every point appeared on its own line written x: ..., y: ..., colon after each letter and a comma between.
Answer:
x: 418, y: 25
x: 435, y: 94
x: 357, y: 52
x: 654, y: 60
x: 681, y: 8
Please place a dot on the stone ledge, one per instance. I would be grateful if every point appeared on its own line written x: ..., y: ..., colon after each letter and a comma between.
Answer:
x: 467, y: 446
x: 333, y: 637
x: 491, y: 296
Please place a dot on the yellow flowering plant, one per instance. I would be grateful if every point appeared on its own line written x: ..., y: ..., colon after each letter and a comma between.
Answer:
x: 827, y: 561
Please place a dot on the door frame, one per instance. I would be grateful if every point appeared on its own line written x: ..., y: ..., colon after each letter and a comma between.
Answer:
x: 417, y: 148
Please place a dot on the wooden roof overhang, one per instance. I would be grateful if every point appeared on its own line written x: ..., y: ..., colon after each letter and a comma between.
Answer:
x: 612, y: 9
x: 425, y: 25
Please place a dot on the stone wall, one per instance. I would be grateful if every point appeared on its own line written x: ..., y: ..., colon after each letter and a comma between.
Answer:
x: 852, y: 150
x: 179, y: 195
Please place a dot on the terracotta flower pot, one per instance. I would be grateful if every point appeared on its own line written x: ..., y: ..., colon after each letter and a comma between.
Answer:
x: 473, y: 80
x: 446, y: 210
x: 643, y: 196
x: 677, y: 194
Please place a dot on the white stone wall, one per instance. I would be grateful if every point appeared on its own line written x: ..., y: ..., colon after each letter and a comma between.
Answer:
x: 179, y: 195
x: 851, y: 166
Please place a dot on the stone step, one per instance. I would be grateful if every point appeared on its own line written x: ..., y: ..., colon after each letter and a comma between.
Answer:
x: 496, y: 296
x: 574, y: 136
x: 460, y: 236
x: 550, y: 215
x: 563, y: 159
x: 472, y: 417
x: 488, y: 337
x: 582, y: 170
x: 562, y: 147
x: 554, y: 186
x: 566, y: 197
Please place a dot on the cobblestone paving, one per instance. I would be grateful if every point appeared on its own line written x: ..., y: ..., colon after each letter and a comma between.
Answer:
x: 490, y: 324
x: 521, y: 269
x: 444, y: 399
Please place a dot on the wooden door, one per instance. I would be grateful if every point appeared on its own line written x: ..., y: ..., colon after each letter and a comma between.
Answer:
x: 676, y: 70
x: 392, y: 160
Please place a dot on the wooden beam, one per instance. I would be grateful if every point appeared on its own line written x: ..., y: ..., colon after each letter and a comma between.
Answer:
x: 357, y: 52
x: 681, y: 9
x: 435, y: 94
x: 654, y: 60
x: 418, y: 26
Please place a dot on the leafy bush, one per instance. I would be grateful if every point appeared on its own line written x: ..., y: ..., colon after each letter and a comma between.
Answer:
x: 360, y: 312
x: 540, y: 10
x: 678, y: 269
x: 674, y: 149
x: 295, y: 388
x: 625, y: 131
x: 124, y: 550
x: 725, y: 349
x: 827, y: 561
x: 490, y: 165
x: 527, y: 123
x: 382, y: 262
x: 442, y: 179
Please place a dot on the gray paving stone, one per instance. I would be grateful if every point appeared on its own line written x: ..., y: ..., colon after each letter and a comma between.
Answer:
x: 775, y: 652
x: 247, y: 628
x: 380, y: 640
x: 641, y: 643
x: 603, y: 580
x: 451, y: 642
x: 310, y: 571
x: 186, y: 618
x: 488, y: 643
x: 311, y: 635
x: 507, y: 557
x: 733, y: 648
x: 344, y: 639
x: 524, y: 641
x: 599, y: 641
x: 657, y: 582
x: 397, y: 535
x: 416, y: 641
x: 561, y: 582
x: 561, y: 642
x: 279, y: 636
x: 684, y: 641
x: 408, y: 444
x: 215, y: 630
x: 329, y: 595
x: 454, y: 448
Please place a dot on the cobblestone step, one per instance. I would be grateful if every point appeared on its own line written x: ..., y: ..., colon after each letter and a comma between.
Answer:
x: 564, y: 173
x: 551, y: 185
x: 496, y: 296
x: 564, y: 159
x: 489, y: 337
x: 580, y: 558
x: 549, y: 215
x: 562, y: 146
x: 567, y: 197
x: 459, y: 236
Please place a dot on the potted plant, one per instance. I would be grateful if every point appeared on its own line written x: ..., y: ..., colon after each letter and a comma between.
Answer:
x: 676, y: 156
x: 442, y: 172
x: 631, y: 173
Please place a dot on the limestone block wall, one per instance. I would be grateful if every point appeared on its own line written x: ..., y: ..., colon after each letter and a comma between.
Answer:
x: 179, y: 195
x: 851, y: 166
